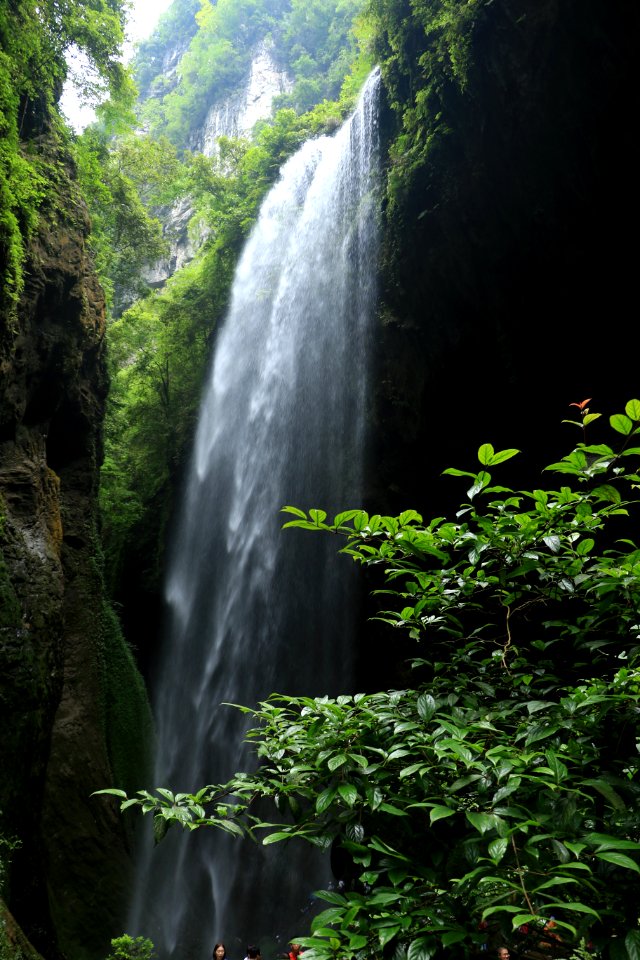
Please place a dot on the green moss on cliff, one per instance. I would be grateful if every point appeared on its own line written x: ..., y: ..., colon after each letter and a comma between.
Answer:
x: 13, y: 943
x: 128, y: 720
x: 34, y: 40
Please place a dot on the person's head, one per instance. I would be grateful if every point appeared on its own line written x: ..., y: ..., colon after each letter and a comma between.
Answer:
x: 253, y: 952
x: 219, y: 952
x: 295, y: 948
x: 502, y: 953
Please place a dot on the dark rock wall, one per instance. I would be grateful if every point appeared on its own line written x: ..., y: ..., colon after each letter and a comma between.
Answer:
x: 510, y: 251
x: 509, y: 268
x: 66, y: 876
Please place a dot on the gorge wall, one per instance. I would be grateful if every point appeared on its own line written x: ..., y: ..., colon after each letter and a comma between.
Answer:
x: 508, y: 264
x: 509, y: 284
x: 59, y: 645
x: 231, y: 116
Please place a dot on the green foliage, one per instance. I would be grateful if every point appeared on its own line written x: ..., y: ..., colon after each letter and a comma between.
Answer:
x: 124, y: 180
x: 7, y: 847
x: 160, y: 346
x: 318, y: 42
x: 35, y: 38
x: 128, y: 721
x: 503, y: 788
x: 315, y: 41
x: 214, y: 64
x: 427, y: 55
x: 179, y: 20
x: 131, y: 948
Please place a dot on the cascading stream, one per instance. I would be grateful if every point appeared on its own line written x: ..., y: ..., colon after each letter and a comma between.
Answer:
x: 251, y: 608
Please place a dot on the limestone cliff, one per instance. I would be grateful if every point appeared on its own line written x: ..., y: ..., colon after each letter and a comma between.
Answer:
x: 237, y: 114
x: 69, y: 872
x: 234, y: 115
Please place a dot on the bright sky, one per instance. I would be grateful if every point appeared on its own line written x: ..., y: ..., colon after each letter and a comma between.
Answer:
x: 142, y: 19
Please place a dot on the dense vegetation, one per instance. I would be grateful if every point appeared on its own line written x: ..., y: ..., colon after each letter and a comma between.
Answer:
x: 500, y: 792
x: 35, y: 39
x: 160, y: 340
x: 311, y: 39
x: 502, y: 786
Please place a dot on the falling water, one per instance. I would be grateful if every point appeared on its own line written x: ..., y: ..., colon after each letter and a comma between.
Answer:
x: 252, y: 608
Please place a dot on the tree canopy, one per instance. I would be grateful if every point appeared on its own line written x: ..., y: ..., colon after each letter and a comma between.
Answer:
x: 35, y: 40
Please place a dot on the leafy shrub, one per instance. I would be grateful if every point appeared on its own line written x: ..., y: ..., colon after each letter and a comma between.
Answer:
x: 130, y: 948
x: 502, y: 790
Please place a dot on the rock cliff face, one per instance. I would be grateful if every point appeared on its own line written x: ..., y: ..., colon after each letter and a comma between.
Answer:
x: 53, y: 752
x: 235, y: 116
x: 507, y: 261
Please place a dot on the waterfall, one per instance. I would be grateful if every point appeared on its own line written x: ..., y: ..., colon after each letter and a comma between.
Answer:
x: 253, y: 609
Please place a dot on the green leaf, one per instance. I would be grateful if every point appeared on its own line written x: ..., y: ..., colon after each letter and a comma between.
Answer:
x: 439, y: 813
x: 349, y: 793
x: 585, y: 547
x: 607, y: 842
x: 421, y: 949
x: 385, y: 934
x: 556, y: 766
x: 394, y: 811
x: 497, y: 849
x: 357, y: 941
x: 453, y: 936
x: 482, y: 480
x: 501, y: 456
x: 160, y: 827
x: 574, y: 907
x: 454, y: 472
x: 607, y: 792
x: 481, y: 821
x: 332, y: 915
x: 276, y: 837
x: 341, y: 518
x: 486, y: 454
x: 111, y: 791
x: 337, y: 761
x: 632, y: 939
x: 167, y: 794
x: 426, y: 706
x: 620, y: 860
x: 331, y: 897
x: 621, y: 424
x: 325, y: 799
x: 295, y: 511
x: 632, y: 409
x: 489, y: 911
x: 555, y: 882
x: 409, y: 516
x: 521, y: 918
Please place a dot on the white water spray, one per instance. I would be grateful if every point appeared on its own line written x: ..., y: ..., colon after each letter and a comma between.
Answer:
x: 251, y: 608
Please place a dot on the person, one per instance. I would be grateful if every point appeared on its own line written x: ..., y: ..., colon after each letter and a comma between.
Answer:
x: 294, y: 951
x: 502, y: 953
x: 219, y: 952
